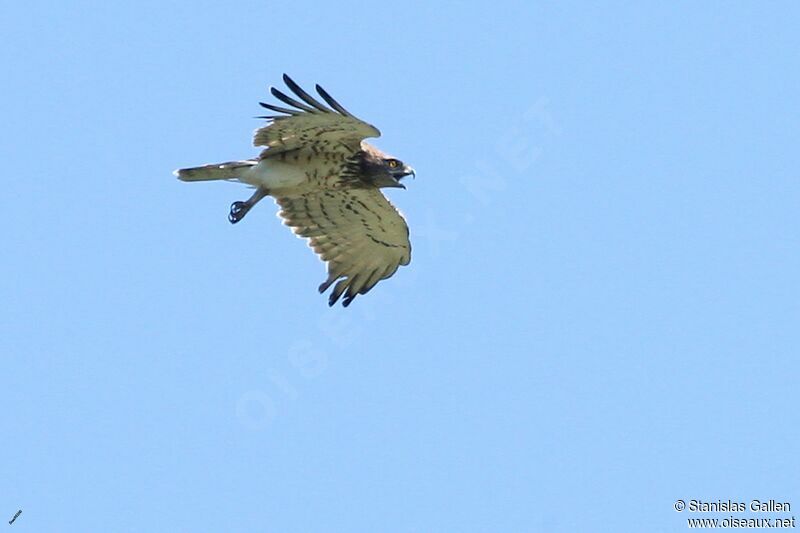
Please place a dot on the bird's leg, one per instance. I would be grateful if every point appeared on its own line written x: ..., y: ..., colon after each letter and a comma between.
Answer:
x: 240, y: 209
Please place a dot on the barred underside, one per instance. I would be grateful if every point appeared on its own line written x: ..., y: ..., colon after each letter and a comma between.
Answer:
x: 357, y: 232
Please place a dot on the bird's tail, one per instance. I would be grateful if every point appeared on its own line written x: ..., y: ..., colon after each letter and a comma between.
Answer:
x: 221, y: 171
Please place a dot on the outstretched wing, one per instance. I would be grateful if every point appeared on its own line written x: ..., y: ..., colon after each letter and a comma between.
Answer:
x: 309, y: 124
x: 357, y: 232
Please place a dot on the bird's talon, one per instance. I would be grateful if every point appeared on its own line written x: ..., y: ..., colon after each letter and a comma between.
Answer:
x: 238, y: 211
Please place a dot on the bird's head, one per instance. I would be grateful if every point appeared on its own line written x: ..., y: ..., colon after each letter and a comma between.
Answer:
x: 396, y: 170
x: 381, y: 170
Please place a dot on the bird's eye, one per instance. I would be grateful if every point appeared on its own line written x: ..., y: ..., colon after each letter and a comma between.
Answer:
x: 394, y: 163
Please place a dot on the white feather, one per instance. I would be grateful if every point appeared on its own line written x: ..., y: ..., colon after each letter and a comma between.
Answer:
x: 274, y: 175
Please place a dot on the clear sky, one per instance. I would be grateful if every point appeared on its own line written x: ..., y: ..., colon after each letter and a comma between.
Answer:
x: 600, y: 316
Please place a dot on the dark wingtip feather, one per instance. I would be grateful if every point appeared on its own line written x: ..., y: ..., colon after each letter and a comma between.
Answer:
x: 286, y: 99
x: 278, y: 109
x: 304, y: 96
x: 325, y: 284
x: 331, y: 102
x: 337, y: 291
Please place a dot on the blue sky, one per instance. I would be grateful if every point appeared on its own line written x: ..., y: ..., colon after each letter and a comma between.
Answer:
x: 600, y: 316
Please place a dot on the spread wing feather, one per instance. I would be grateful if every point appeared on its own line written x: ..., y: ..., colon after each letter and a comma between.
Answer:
x: 357, y: 232
x: 309, y: 124
x: 304, y: 96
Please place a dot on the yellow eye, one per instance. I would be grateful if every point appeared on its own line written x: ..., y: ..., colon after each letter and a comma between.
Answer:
x: 394, y: 163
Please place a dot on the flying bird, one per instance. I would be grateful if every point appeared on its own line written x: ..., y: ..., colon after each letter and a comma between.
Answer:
x: 327, y: 182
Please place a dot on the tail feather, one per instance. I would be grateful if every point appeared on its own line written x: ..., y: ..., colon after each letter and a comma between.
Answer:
x: 221, y: 171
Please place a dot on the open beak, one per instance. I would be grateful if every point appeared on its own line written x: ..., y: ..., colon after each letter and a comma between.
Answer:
x: 397, y: 175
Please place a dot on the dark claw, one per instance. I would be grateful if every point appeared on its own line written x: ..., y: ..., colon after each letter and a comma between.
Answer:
x: 238, y: 211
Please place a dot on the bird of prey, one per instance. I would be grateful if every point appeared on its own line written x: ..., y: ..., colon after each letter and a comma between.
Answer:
x: 327, y: 182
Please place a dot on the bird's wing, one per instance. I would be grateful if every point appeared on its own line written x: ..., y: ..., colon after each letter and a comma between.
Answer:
x: 308, y: 123
x: 356, y: 231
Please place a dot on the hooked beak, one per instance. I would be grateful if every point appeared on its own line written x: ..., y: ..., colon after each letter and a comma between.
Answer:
x: 398, y: 175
